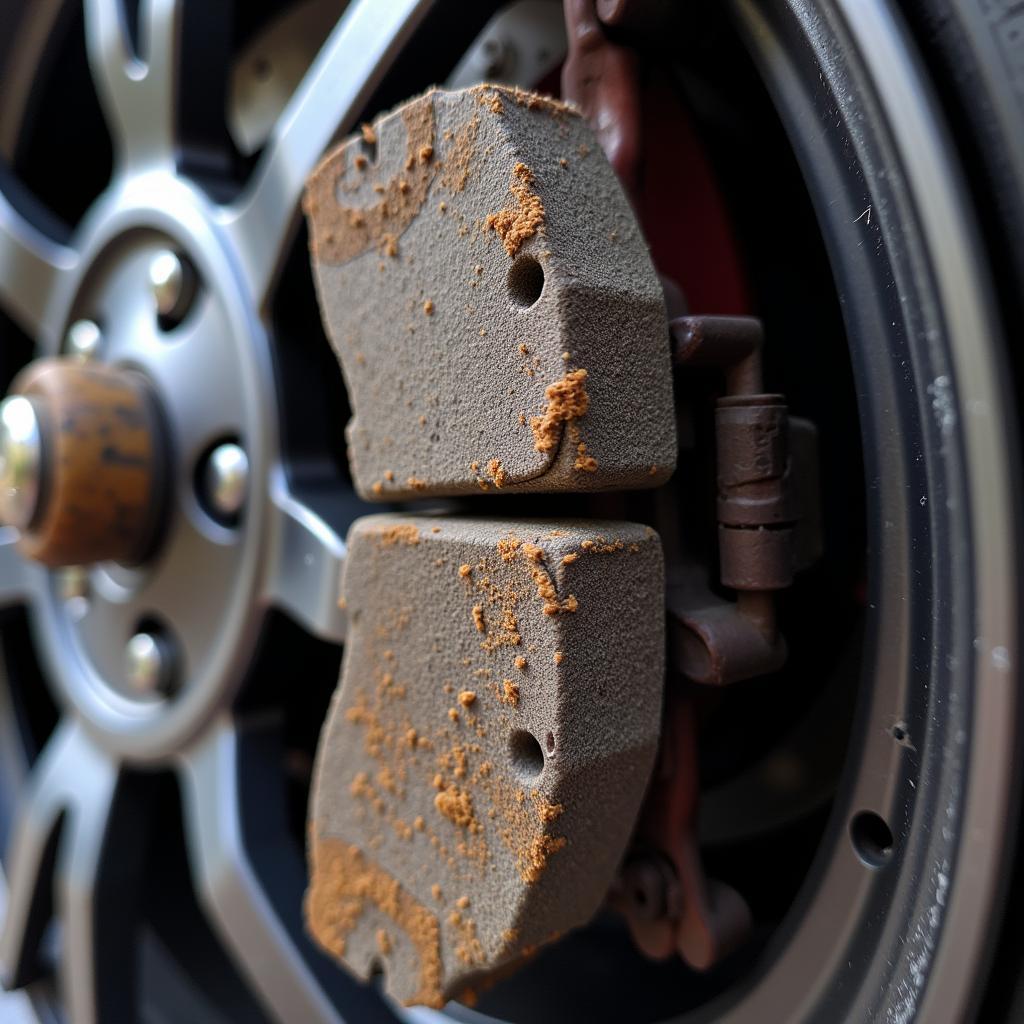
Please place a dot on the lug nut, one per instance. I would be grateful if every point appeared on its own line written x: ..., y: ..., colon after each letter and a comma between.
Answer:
x: 147, y: 664
x: 83, y: 340
x: 226, y: 480
x: 172, y: 284
x: 498, y: 56
x: 21, y: 457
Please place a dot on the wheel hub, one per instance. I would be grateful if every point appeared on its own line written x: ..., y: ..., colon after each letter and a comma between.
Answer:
x: 159, y: 289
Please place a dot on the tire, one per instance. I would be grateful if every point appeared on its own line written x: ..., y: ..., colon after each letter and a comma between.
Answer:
x: 975, y: 51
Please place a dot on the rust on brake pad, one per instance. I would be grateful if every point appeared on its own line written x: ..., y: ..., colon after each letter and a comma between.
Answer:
x: 498, y: 320
x: 489, y: 745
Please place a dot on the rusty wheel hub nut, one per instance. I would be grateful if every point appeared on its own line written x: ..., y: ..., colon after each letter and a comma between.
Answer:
x: 84, y: 485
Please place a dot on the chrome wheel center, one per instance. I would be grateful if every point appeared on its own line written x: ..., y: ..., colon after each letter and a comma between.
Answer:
x: 21, y: 459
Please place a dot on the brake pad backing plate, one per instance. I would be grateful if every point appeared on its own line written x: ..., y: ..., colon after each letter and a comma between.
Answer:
x: 489, y: 745
x: 493, y: 304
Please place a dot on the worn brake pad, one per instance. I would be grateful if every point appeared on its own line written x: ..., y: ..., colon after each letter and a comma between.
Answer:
x: 488, y: 748
x: 497, y: 317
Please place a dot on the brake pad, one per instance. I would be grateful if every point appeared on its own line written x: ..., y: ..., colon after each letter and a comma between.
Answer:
x: 498, y: 320
x: 489, y: 745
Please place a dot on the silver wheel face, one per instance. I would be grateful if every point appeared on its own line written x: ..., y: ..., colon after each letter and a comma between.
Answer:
x: 159, y: 278
x: 147, y: 663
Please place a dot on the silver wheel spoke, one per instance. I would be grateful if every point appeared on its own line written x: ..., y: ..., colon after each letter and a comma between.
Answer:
x: 30, y: 863
x: 30, y: 263
x: 305, y: 567
x: 14, y: 583
x: 137, y: 92
x: 78, y: 872
x: 252, y: 927
x: 353, y: 60
x: 91, y: 876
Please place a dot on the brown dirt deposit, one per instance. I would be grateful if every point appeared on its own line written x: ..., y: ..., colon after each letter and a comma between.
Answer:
x: 567, y: 400
x: 517, y: 225
x: 345, y: 884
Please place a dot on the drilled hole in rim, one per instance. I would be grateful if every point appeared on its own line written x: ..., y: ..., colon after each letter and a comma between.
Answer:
x: 900, y: 734
x: 527, y: 757
x: 872, y: 838
x: 525, y: 281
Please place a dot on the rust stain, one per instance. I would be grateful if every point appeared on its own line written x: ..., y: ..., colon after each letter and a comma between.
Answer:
x: 341, y: 232
x: 567, y: 401
x: 517, y: 225
x: 344, y: 885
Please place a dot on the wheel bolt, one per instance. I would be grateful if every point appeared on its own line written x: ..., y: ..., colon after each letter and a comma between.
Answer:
x: 21, y: 457
x: 225, y: 480
x: 83, y: 340
x: 147, y: 664
x: 498, y: 56
x: 172, y: 284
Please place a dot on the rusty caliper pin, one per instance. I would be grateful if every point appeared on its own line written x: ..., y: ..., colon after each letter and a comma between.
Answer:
x: 501, y: 329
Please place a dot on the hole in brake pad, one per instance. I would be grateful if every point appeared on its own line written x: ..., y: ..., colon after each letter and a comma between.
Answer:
x: 488, y: 749
x: 493, y: 304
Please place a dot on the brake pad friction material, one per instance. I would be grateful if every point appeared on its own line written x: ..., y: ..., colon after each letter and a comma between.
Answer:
x: 492, y: 301
x: 489, y: 745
